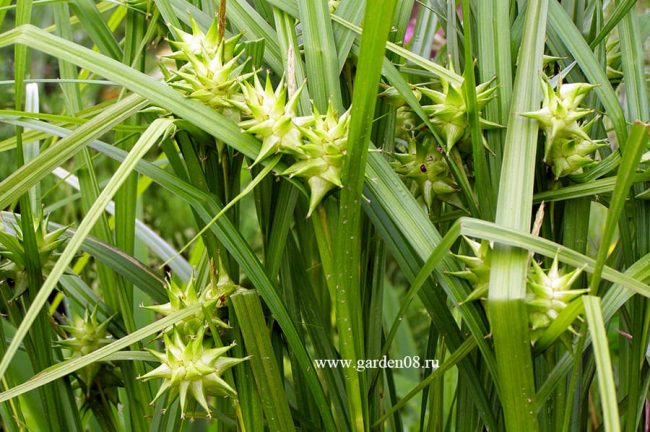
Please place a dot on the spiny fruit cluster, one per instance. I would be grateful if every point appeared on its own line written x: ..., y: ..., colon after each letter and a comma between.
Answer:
x: 548, y: 292
x: 419, y: 160
x: 99, y: 381
x: 568, y: 146
x: 192, y: 363
x: 213, y: 71
x: 13, y: 267
x: 425, y: 166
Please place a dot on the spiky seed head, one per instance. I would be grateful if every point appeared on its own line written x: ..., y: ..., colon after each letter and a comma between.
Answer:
x: 320, y: 158
x: 424, y: 165
x: 86, y: 335
x: 211, y: 69
x: 549, y: 292
x: 270, y: 117
x: 192, y: 369
x: 448, y: 113
x: 182, y: 296
x: 567, y: 142
x: 477, y: 268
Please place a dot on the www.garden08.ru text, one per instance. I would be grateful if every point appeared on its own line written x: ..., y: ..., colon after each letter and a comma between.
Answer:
x: 408, y: 362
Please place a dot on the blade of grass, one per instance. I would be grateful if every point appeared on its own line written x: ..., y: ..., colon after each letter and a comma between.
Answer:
x: 595, y: 187
x: 484, y: 189
x: 351, y: 11
x: 347, y: 239
x: 634, y: 148
x: 606, y: 385
x: 621, y: 9
x: 507, y: 288
x: 465, y: 349
x: 320, y: 54
x: 426, y: 64
x: 494, y: 58
x: 263, y: 362
x: 23, y: 178
x: 96, y: 28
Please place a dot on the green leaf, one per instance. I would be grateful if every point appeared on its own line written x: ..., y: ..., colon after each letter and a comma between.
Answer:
x: 633, y: 150
x: 26, y: 176
x: 320, y: 54
x: 263, y: 361
x: 347, y: 239
x: 509, y: 267
x: 604, y: 370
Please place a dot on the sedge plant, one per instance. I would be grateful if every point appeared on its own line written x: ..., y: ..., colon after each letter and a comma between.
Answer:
x: 248, y: 215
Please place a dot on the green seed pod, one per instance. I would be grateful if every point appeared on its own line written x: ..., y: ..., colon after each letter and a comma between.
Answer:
x: 407, y: 123
x: 425, y: 166
x: 183, y: 296
x: 320, y: 159
x: 571, y: 156
x: 477, y: 269
x: 219, y: 289
x: 12, y: 251
x: 559, y: 114
x: 613, y: 50
x: 271, y: 117
x: 191, y: 368
x: 448, y: 114
x: 548, y: 294
x: 86, y: 336
x: 212, y: 71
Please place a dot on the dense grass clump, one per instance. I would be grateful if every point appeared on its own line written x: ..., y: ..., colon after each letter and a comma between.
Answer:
x: 308, y: 215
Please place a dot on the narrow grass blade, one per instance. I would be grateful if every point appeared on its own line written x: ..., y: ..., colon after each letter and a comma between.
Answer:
x: 96, y: 27
x: 425, y: 64
x: 25, y: 177
x: 320, y: 54
x: 634, y: 148
x: 466, y: 348
x: 509, y: 267
x: 494, y: 58
x: 604, y: 370
x: 263, y: 361
x: 484, y: 189
x: 347, y: 241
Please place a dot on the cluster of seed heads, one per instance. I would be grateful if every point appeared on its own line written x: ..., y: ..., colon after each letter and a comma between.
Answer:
x: 191, y: 363
x: 424, y: 166
x: 421, y: 148
x: 568, y: 146
x: 548, y: 292
x: 213, y: 71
